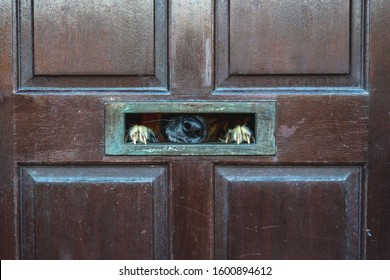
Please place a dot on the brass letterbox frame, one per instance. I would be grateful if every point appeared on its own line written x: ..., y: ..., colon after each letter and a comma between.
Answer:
x: 264, y: 112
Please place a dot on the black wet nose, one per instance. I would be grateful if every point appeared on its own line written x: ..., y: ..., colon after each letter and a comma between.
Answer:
x: 193, y: 127
x: 185, y: 129
x: 188, y: 125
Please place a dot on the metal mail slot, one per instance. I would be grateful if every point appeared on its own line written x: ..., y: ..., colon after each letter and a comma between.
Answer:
x: 137, y: 128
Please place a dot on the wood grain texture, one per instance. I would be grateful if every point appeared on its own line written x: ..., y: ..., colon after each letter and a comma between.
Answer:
x: 96, y: 37
x: 191, y: 47
x: 25, y: 41
x: 9, y: 227
x: 94, y: 212
x: 102, y: 44
x: 378, y: 226
x: 287, y: 213
x: 6, y: 55
x: 53, y: 122
x: 289, y: 37
x: 334, y: 126
x: 289, y: 43
x: 191, y: 210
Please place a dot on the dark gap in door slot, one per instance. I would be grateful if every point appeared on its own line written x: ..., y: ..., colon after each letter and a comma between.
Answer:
x: 217, y: 125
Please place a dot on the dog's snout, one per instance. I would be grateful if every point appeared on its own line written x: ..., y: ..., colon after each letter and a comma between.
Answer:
x: 186, y: 129
x: 193, y: 126
x: 188, y: 125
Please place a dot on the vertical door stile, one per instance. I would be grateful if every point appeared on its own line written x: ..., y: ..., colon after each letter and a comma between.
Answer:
x: 191, y: 51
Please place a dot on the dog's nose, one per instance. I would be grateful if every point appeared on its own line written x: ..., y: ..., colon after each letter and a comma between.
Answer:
x: 192, y: 127
x: 186, y: 129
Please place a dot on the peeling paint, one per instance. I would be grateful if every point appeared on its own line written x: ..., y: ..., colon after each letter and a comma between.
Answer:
x: 286, y: 131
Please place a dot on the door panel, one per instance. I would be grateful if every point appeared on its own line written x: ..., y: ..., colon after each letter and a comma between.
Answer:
x: 287, y: 212
x: 95, y: 45
x: 83, y: 212
x: 288, y: 43
x: 73, y: 44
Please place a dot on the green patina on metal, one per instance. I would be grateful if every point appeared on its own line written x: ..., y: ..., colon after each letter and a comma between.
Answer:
x: 264, y: 111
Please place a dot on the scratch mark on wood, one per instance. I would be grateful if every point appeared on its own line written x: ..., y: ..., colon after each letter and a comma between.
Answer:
x: 379, y: 147
x: 251, y: 229
x: 338, y: 129
x: 196, y: 240
x: 68, y: 233
x: 194, y: 211
x: 249, y: 255
x: 341, y: 136
x: 208, y: 70
x: 328, y: 238
x: 274, y: 226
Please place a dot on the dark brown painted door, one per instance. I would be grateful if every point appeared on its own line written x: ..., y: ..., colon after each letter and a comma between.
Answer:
x: 324, y: 194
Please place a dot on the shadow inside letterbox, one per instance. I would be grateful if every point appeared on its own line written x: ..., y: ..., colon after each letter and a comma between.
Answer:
x: 216, y: 124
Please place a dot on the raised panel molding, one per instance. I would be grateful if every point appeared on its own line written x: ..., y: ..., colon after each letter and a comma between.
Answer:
x: 81, y: 44
x: 287, y: 212
x: 286, y: 43
x: 94, y: 212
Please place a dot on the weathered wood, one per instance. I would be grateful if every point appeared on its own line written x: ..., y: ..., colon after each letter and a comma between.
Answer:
x: 191, y: 52
x: 9, y: 227
x: 191, y: 210
x: 52, y: 122
x: 92, y: 212
x: 88, y: 41
x: 101, y: 44
x: 287, y: 212
x: 378, y: 197
x: 335, y: 126
x: 289, y: 43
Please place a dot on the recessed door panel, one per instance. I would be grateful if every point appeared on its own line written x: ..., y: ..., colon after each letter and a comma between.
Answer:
x: 288, y: 43
x: 94, y: 212
x: 285, y: 37
x: 96, y: 44
x: 89, y: 44
x: 287, y: 212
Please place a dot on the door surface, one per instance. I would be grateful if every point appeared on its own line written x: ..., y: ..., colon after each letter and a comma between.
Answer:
x: 323, y: 194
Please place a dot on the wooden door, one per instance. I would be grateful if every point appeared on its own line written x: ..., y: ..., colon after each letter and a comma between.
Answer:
x: 323, y: 193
